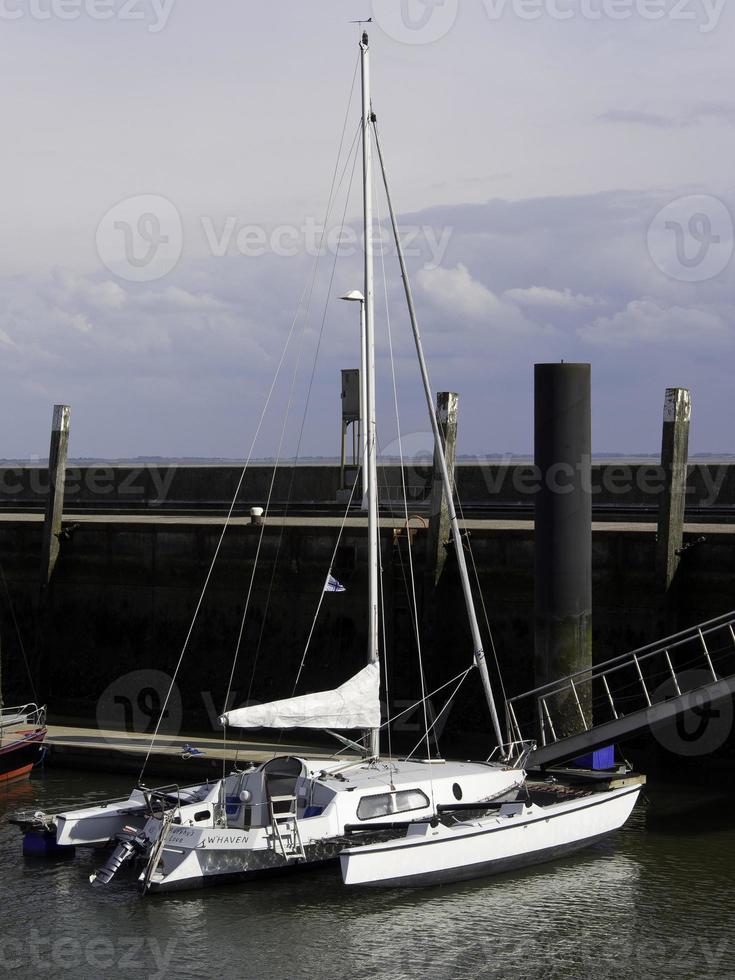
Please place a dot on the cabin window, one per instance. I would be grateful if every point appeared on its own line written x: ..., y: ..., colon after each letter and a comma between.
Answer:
x: 202, y: 815
x: 383, y: 804
x: 457, y: 790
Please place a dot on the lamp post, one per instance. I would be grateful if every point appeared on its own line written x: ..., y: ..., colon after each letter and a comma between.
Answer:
x: 355, y: 296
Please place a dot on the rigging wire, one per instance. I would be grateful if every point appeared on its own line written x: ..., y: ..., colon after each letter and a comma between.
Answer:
x: 334, y: 191
x: 386, y: 680
x: 269, y: 498
x: 16, y: 625
x: 225, y: 526
x: 462, y: 674
x: 306, y: 407
x: 444, y: 708
x: 404, y: 497
x: 479, y: 655
x: 241, y: 479
x: 246, y: 607
x: 485, y: 615
x: 324, y: 591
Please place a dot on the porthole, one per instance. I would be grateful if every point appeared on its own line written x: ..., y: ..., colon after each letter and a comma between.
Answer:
x: 457, y: 790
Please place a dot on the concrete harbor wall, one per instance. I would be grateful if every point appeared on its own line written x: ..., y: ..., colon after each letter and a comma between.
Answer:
x: 614, y: 484
x: 125, y: 589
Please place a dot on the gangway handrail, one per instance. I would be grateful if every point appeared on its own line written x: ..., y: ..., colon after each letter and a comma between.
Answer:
x: 646, y: 705
x: 641, y: 653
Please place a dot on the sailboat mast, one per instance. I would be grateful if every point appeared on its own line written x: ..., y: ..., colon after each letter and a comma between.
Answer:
x: 372, y: 465
x: 479, y: 653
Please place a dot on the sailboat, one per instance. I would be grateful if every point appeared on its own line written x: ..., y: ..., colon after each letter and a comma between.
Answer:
x: 22, y: 733
x: 374, y: 812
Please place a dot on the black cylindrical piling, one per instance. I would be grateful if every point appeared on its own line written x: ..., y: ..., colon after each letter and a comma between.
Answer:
x: 563, y: 537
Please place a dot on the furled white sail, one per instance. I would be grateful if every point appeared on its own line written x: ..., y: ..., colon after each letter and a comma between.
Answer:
x: 355, y: 704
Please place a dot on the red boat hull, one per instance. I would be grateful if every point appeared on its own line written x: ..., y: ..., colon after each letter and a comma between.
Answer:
x: 18, y: 757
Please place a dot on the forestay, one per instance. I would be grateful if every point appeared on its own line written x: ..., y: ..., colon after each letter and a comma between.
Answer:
x: 355, y: 704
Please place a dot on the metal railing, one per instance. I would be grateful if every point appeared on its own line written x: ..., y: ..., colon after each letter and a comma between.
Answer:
x: 635, y: 681
x: 25, y: 714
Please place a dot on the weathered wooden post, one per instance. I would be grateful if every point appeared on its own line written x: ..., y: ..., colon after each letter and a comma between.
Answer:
x: 674, y: 461
x: 447, y: 404
x: 55, y: 500
x: 563, y: 537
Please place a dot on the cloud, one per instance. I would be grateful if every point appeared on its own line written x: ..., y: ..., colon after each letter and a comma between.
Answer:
x: 651, y: 323
x: 694, y: 116
x: 724, y: 111
x: 475, y: 310
x: 455, y: 291
x: 69, y: 288
x: 522, y: 282
x: 638, y: 118
x: 541, y: 297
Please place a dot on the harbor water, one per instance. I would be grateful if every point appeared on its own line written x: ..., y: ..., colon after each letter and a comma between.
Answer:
x: 655, y: 900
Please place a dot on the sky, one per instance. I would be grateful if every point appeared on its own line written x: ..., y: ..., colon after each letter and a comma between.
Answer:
x: 562, y: 171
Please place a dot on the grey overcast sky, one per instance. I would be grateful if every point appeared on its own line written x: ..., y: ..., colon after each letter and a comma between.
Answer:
x: 562, y: 168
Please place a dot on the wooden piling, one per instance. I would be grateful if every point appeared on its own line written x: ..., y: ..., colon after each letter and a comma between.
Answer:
x: 674, y: 461
x: 55, y: 500
x: 447, y: 406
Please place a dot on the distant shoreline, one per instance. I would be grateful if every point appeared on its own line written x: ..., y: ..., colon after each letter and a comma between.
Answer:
x: 421, y: 459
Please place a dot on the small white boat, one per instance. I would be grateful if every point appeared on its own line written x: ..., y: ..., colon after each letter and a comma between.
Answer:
x: 519, y: 835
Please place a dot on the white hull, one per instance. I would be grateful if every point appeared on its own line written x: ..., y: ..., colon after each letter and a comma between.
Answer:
x: 200, y: 856
x: 519, y: 836
x: 98, y: 825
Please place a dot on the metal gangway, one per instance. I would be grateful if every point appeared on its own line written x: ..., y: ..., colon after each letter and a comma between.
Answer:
x: 574, y: 716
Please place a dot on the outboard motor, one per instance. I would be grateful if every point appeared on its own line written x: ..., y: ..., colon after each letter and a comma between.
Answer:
x: 131, y: 843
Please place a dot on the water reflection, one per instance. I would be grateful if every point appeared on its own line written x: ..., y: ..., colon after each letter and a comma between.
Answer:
x: 643, y: 904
